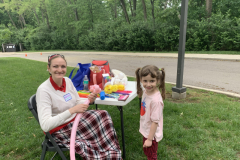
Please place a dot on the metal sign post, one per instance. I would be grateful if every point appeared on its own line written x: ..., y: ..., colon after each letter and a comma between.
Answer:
x: 179, y: 91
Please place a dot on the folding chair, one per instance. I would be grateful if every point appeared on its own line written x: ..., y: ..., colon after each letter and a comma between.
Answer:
x: 49, y: 143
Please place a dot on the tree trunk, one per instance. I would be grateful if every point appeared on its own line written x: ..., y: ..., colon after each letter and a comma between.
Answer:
x: 35, y: 13
x: 74, y: 10
x: 42, y: 14
x: 134, y: 7
x: 152, y: 3
x: 201, y: 3
x: 165, y: 5
x: 49, y: 27
x: 23, y: 20
x: 125, y: 11
x: 115, y: 8
x: 144, y: 10
x: 20, y: 21
x: 130, y: 7
x: 76, y: 15
x: 45, y: 14
x: 11, y: 19
x: 209, y: 8
x: 91, y: 13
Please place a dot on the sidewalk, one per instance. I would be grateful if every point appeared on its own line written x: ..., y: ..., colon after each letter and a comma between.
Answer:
x: 167, y: 55
x: 173, y: 55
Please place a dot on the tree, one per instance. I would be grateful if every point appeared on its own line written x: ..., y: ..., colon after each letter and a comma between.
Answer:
x: 74, y: 9
x: 152, y: 4
x: 43, y: 9
x: 197, y: 9
x: 134, y: 7
x: 144, y: 10
x: 113, y: 6
x: 6, y: 5
x: 130, y: 4
x: 209, y: 8
x: 125, y: 11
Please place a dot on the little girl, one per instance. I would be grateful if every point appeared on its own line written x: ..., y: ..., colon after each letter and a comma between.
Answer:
x: 151, y: 113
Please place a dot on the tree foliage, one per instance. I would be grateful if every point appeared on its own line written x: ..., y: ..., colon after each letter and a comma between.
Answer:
x: 134, y: 25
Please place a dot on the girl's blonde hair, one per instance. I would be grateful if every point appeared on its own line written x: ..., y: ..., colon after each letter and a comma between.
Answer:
x: 155, y: 72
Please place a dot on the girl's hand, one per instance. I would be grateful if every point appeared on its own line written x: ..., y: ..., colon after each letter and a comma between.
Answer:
x: 92, y: 97
x: 147, y: 143
x: 79, y: 108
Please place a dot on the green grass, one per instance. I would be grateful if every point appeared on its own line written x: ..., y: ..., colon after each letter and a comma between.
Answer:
x: 205, y: 125
x: 187, y: 52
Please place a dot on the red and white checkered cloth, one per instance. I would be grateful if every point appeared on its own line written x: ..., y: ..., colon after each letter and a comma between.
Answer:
x: 96, y: 138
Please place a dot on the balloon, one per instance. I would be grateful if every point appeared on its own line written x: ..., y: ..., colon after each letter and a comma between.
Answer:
x: 102, y: 95
x: 94, y: 89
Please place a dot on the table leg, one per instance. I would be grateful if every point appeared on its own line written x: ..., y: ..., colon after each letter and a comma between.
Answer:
x: 122, y: 128
x: 96, y: 106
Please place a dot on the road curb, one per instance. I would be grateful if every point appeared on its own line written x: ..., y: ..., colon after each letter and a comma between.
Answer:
x: 206, y: 89
x: 211, y: 90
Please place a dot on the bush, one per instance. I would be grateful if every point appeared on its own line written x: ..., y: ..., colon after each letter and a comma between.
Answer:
x: 111, y: 36
x: 135, y: 37
x: 5, y: 35
x: 39, y: 39
x: 218, y: 32
x: 166, y: 37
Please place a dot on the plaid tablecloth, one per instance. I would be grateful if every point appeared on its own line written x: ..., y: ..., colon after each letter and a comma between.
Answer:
x: 96, y: 137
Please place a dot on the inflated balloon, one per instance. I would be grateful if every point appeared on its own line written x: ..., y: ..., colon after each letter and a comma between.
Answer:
x: 94, y: 89
x: 102, y: 95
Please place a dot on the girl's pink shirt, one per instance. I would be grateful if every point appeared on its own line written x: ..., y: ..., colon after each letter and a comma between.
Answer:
x: 151, y: 111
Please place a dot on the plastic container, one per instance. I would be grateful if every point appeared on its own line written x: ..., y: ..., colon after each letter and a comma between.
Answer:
x: 85, y: 83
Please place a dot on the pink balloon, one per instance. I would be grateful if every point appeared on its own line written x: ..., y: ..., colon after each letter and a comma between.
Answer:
x: 94, y: 89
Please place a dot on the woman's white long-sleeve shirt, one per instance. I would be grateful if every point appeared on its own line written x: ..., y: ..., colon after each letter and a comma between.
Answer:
x: 53, y: 105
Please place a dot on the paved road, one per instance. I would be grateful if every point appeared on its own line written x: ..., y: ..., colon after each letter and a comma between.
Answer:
x: 221, y: 74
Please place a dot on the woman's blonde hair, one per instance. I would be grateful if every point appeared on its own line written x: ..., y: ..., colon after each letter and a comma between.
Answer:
x: 51, y: 57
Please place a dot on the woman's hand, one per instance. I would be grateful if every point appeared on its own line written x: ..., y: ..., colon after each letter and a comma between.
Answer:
x: 80, y: 108
x: 92, y: 97
x: 147, y: 143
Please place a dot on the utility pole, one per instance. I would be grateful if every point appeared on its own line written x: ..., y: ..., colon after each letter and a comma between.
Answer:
x: 179, y: 92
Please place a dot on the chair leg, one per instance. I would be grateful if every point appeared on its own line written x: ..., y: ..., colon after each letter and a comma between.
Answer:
x: 61, y: 154
x: 57, y: 147
x: 54, y: 155
x: 44, y: 148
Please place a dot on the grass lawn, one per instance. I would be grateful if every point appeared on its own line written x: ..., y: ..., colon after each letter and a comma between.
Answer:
x: 202, y: 126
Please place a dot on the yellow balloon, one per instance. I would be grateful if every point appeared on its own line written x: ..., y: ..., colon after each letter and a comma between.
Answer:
x: 121, y: 87
x: 114, y: 88
x: 108, y: 89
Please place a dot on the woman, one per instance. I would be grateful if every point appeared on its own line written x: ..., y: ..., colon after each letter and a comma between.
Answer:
x: 58, y: 103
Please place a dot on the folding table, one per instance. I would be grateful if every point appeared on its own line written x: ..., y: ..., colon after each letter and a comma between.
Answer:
x: 131, y: 86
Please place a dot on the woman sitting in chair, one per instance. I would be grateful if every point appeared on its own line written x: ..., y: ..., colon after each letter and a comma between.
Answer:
x: 58, y: 103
